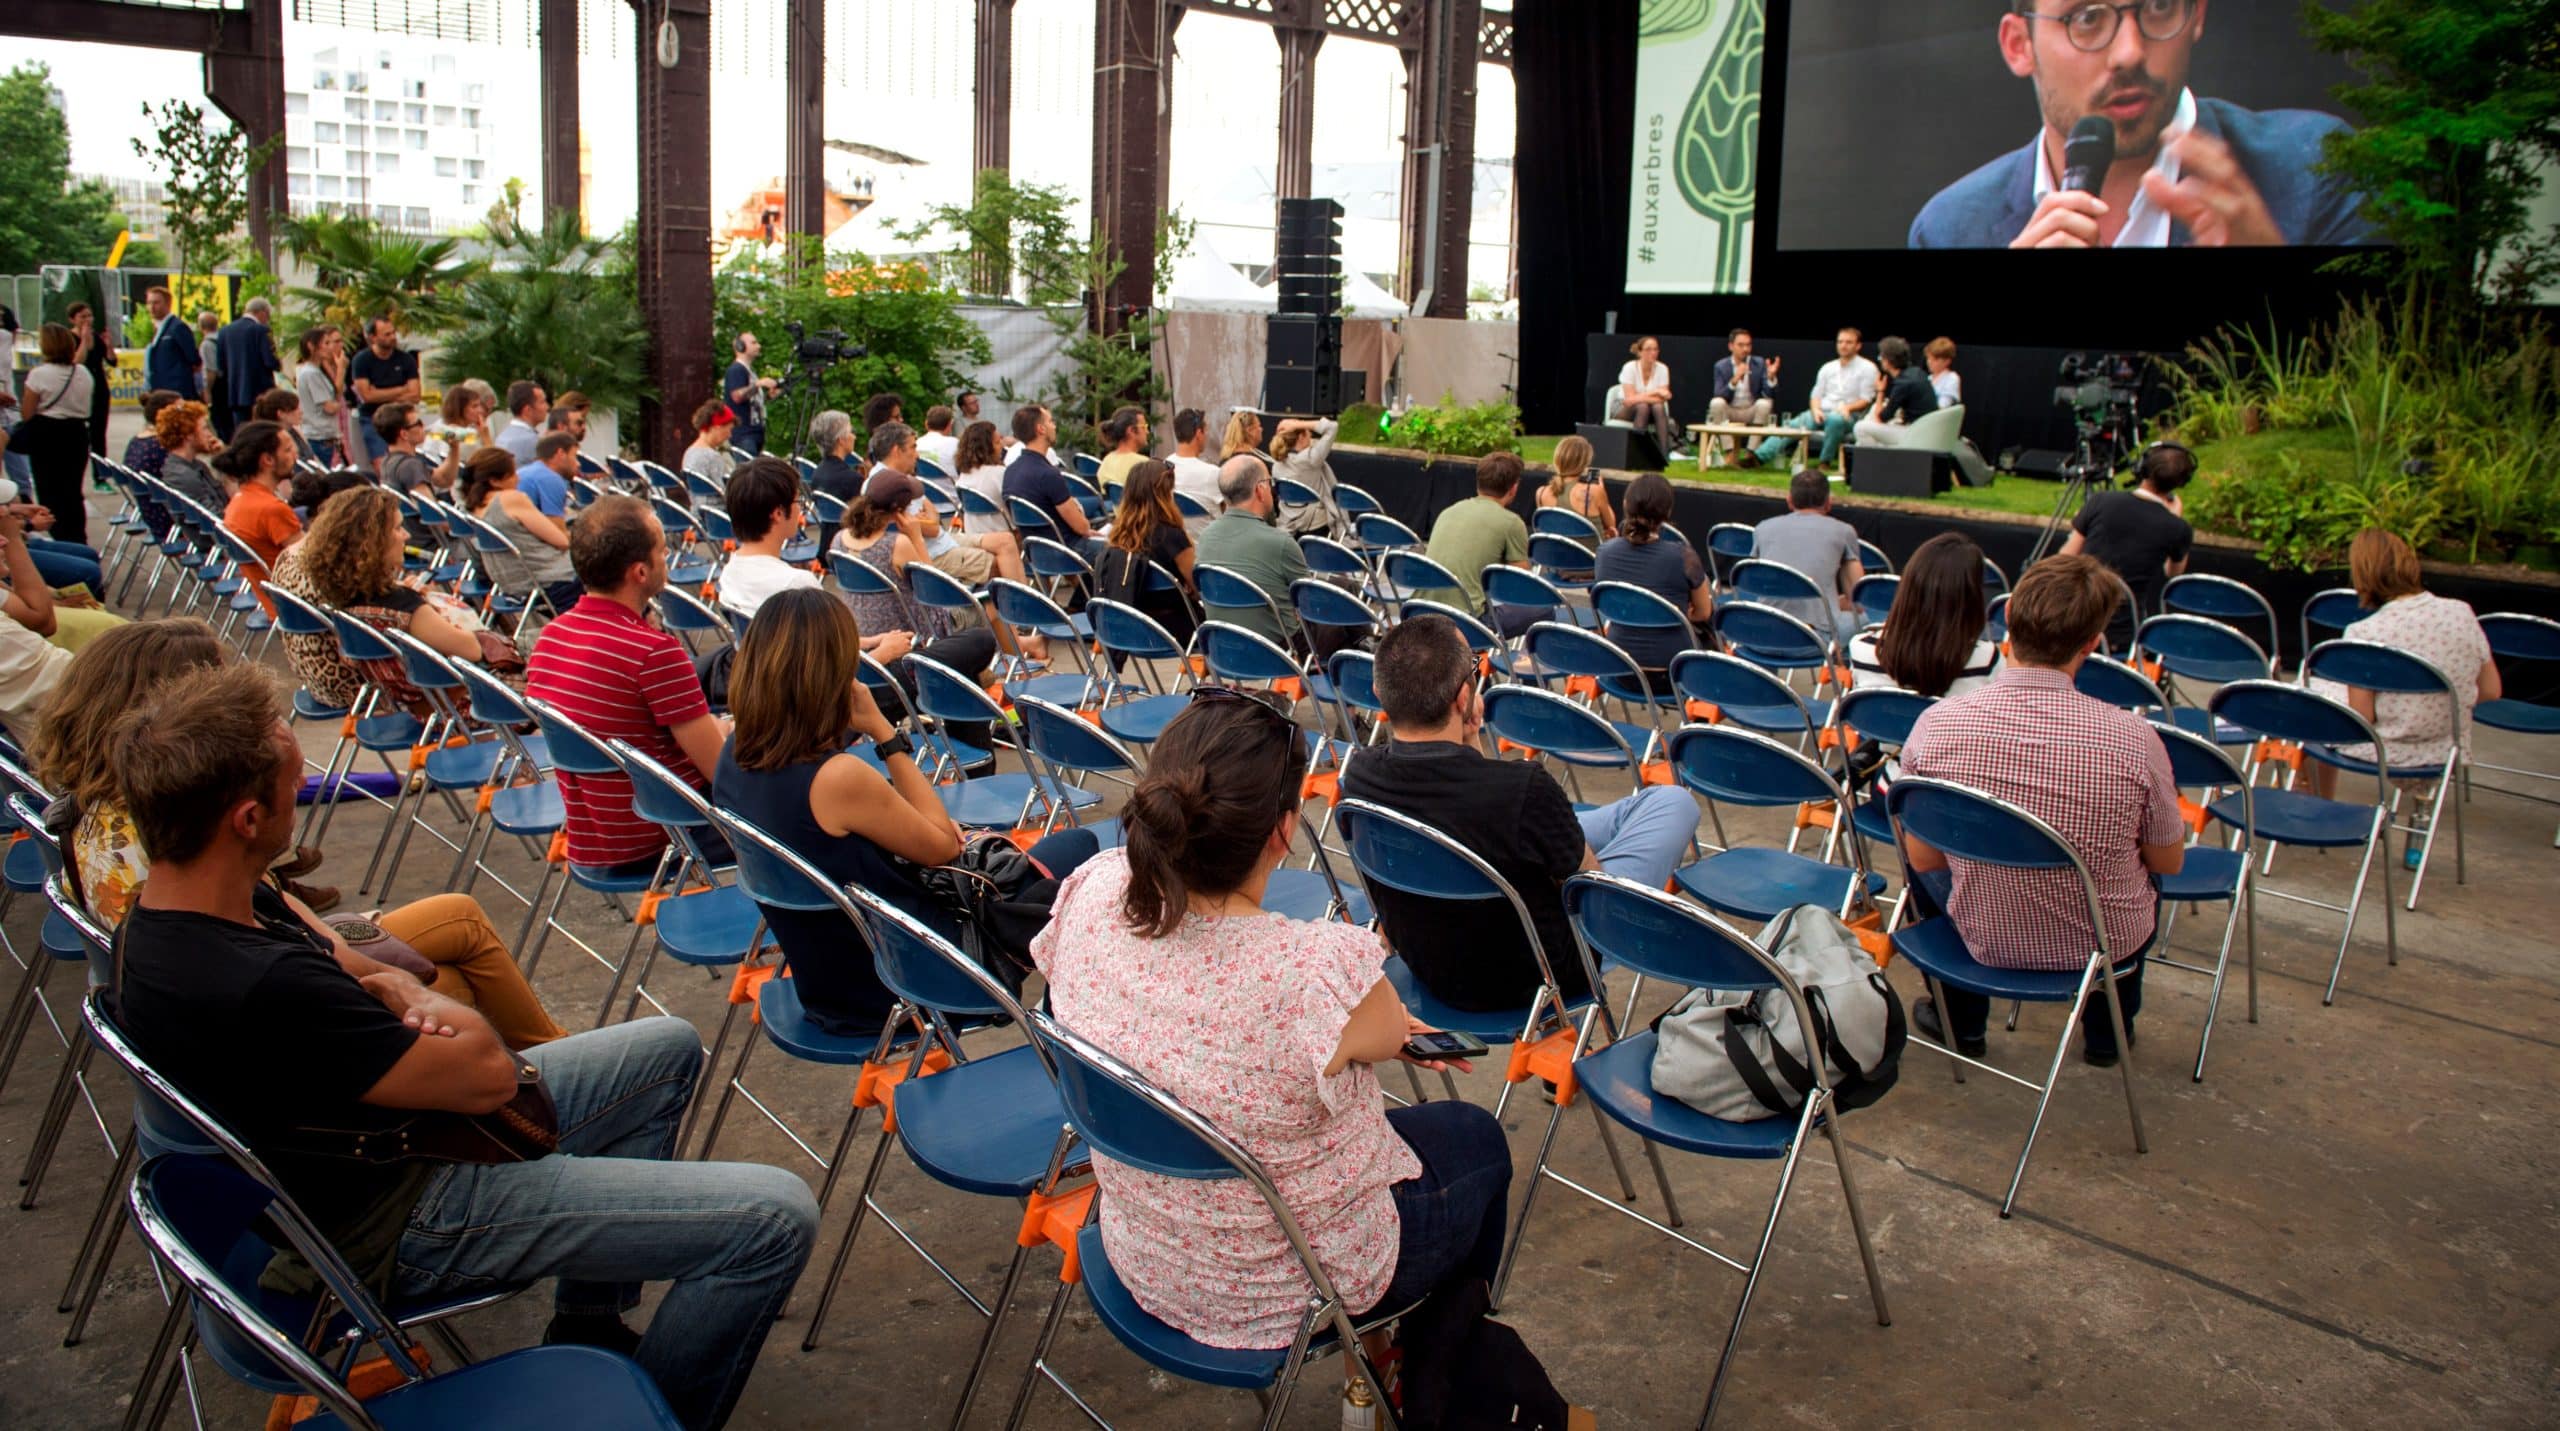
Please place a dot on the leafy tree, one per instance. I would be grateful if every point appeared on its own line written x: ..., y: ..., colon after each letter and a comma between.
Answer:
x: 1010, y: 232
x: 556, y: 306
x: 920, y: 344
x: 204, y: 165
x: 47, y: 218
x: 2460, y: 107
x: 364, y: 271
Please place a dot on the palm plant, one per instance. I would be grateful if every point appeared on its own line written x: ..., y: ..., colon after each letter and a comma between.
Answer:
x: 553, y: 305
x: 363, y: 270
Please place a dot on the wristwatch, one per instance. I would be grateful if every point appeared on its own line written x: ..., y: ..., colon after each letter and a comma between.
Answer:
x: 897, y: 744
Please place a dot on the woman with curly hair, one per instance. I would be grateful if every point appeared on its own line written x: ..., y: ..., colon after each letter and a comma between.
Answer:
x: 350, y: 559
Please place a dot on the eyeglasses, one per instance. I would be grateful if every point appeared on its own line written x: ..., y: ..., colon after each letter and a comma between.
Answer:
x: 2092, y: 28
x: 1279, y: 721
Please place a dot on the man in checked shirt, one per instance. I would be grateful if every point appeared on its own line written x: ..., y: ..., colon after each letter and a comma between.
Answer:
x: 2098, y: 775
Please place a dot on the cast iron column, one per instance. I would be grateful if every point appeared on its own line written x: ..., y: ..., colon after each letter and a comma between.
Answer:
x: 244, y: 77
x: 991, y: 136
x: 804, y: 119
x: 1440, y: 114
x: 1129, y: 39
x: 560, y: 110
x: 1298, y: 24
x: 674, y: 257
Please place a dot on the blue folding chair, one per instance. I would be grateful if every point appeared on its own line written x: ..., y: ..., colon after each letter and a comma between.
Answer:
x: 1355, y: 501
x: 1555, y: 649
x: 1728, y: 544
x: 2390, y: 671
x: 1071, y: 746
x: 1566, y: 562
x: 1726, y: 765
x: 979, y: 513
x: 1322, y: 603
x: 1028, y: 520
x: 1411, y: 574
x: 1121, y: 1115
x: 1191, y: 509
x: 482, y: 760
x: 1565, y: 522
x: 1392, y: 850
x: 1027, y: 608
x: 1136, y: 641
x: 2517, y: 637
x: 1292, y: 492
x: 1248, y: 658
x: 689, y: 616
x: 1380, y: 532
x: 1768, y: 637
x: 1965, y: 824
x: 1881, y: 718
x: 2104, y: 678
x: 2219, y: 598
x: 1874, y: 594
x: 1746, y: 695
x: 2198, y: 648
x: 1659, y: 937
x: 1084, y: 467
x: 2212, y: 873
x: 1223, y: 589
x: 1618, y: 606
x: 985, y: 802
x: 395, y: 731
x: 1995, y: 619
x: 711, y: 926
x: 856, y: 577
x: 2329, y: 613
x: 1518, y: 586
x: 530, y: 812
x: 1872, y: 560
x: 576, y: 752
x: 1058, y: 566
x: 195, y: 1212
x: 1542, y: 723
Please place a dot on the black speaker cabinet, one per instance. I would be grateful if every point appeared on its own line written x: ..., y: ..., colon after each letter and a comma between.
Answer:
x: 1622, y: 448
x: 1297, y: 392
x: 1896, y: 472
x: 1297, y: 340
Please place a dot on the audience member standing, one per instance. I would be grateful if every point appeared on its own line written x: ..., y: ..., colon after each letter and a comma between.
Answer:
x: 604, y: 664
x: 2098, y: 775
x: 53, y: 429
x: 1821, y: 548
x: 320, y: 380
x: 246, y: 354
x: 225, y: 989
x: 171, y: 363
x: 97, y: 354
x: 382, y: 371
x: 746, y: 393
x: 1512, y: 813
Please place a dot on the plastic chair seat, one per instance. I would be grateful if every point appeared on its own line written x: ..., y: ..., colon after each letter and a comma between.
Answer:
x: 712, y: 926
x: 528, y: 809
x: 59, y: 939
x: 2296, y: 817
x: 1777, y: 720
x: 1494, y: 1026
x: 22, y: 869
x: 1303, y: 894
x: 2198, y: 722
x: 397, y: 730
x: 603, y: 881
x: 1065, y: 688
x: 1619, y: 1079
x: 2328, y: 755
x: 996, y: 802
x: 538, y: 1387
x: 2210, y: 872
x: 241, y: 1268
x: 1145, y: 718
x: 785, y: 1022
x: 1158, y: 1343
x: 2523, y: 717
x: 1870, y: 820
x: 456, y: 767
x: 1756, y: 882
x: 1934, y: 946
x: 986, y: 1126
x: 1639, y: 738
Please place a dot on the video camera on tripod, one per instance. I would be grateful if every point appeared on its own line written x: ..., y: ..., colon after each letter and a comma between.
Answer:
x: 796, y: 399
x: 2103, y: 392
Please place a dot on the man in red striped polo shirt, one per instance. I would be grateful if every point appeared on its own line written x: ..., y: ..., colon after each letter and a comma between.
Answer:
x: 607, y: 667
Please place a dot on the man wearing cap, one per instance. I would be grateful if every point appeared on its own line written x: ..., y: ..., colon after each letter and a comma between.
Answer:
x: 970, y: 557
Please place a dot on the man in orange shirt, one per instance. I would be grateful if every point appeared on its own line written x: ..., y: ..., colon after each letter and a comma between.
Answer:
x: 257, y: 459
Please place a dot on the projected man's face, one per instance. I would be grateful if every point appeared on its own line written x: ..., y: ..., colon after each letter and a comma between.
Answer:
x: 2131, y: 79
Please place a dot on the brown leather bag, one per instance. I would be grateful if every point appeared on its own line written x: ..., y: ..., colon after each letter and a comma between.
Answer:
x: 525, y: 1129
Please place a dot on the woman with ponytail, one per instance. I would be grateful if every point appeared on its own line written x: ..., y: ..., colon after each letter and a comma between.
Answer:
x: 1271, y: 1029
x: 1640, y: 555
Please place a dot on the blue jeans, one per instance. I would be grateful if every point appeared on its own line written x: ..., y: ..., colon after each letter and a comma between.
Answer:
x: 66, y: 563
x: 324, y: 449
x: 1451, y: 1218
x: 749, y: 440
x: 375, y: 449
x: 616, y: 1212
x: 1834, y: 429
x: 1645, y: 836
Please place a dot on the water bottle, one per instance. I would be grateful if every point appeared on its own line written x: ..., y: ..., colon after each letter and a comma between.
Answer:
x: 1359, y: 1406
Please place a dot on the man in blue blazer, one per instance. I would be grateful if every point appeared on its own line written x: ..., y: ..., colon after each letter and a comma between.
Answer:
x: 245, y: 353
x: 172, y: 359
x: 1746, y: 387
x: 2205, y: 173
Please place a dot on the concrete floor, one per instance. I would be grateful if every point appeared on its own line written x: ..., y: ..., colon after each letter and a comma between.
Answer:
x: 2350, y: 1222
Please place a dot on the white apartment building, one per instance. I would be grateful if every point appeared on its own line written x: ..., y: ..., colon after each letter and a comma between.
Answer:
x: 392, y: 127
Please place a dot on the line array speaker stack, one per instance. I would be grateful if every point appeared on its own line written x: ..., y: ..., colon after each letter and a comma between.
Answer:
x: 1302, y: 373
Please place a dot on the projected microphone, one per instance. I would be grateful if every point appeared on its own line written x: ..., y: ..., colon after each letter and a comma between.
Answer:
x: 2087, y: 153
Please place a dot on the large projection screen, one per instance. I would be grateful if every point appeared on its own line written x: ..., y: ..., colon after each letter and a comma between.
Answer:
x: 1697, y: 145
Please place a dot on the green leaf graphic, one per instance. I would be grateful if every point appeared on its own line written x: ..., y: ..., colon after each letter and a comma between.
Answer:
x: 1717, y: 162
x: 1670, y: 19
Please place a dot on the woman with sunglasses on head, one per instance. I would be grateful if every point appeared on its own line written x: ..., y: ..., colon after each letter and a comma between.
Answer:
x: 795, y: 694
x: 1271, y: 1029
x: 1933, y: 641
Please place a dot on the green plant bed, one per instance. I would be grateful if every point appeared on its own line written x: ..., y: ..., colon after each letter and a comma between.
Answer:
x: 2024, y: 495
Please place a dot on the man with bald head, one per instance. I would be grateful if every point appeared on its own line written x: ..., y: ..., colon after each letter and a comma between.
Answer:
x: 1244, y: 541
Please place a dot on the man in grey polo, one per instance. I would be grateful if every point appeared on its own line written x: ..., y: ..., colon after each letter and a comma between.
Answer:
x: 1244, y: 541
x: 1822, y: 547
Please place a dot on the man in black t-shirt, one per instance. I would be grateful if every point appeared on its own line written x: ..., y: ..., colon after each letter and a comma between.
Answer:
x: 295, y: 1040
x: 2141, y: 535
x: 1512, y: 813
x: 1032, y: 476
x: 382, y: 371
x: 746, y: 394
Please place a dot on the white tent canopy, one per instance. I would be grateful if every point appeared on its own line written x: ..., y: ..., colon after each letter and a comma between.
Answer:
x: 1202, y: 282
x: 1366, y: 299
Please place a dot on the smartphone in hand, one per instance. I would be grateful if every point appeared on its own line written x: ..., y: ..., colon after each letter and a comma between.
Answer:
x: 1439, y: 1045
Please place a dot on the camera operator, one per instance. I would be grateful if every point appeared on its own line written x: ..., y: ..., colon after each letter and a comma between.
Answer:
x: 2141, y: 535
x: 747, y: 393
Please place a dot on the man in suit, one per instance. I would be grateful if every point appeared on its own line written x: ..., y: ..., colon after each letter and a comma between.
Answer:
x: 172, y: 360
x: 2187, y: 171
x: 246, y: 354
x: 1746, y: 389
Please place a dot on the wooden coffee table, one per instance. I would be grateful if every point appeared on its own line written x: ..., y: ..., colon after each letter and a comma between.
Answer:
x: 1704, y: 431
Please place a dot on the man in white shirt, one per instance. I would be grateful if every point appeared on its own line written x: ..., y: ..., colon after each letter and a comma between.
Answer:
x: 1940, y: 355
x: 1194, y: 476
x: 970, y: 556
x: 531, y: 405
x: 937, y: 442
x: 765, y: 513
x: 1842, y: 389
